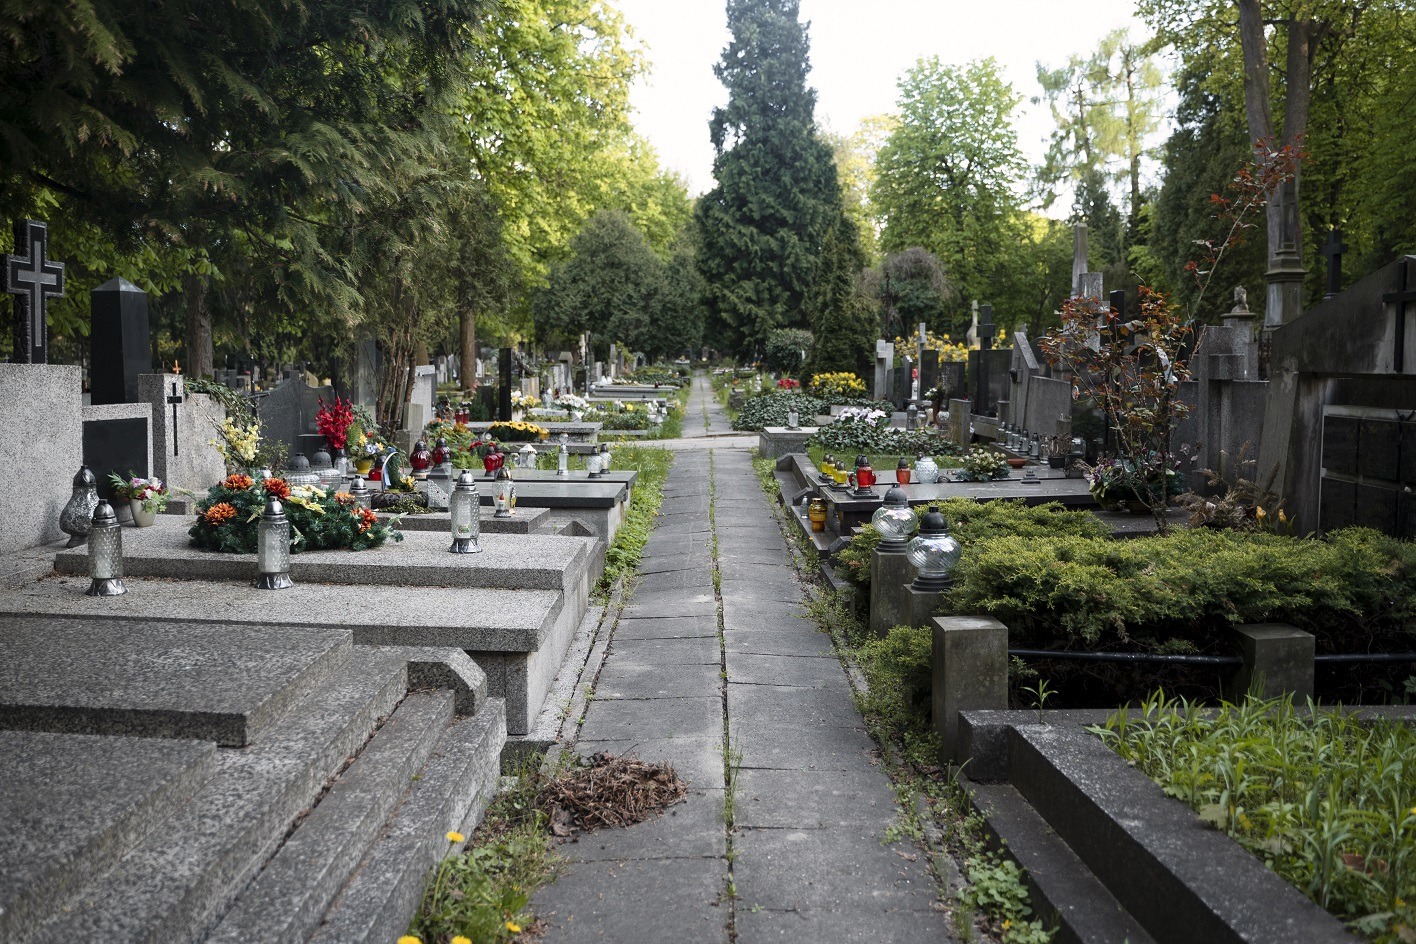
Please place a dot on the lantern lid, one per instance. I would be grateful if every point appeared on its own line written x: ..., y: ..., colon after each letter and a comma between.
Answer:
x: 933, y: 522
x: 903, y: 463
x: 420, y: 446
x: 84, y: 477
x: 895, y: 497
x: 273, y: 508
x: 862, y: 461
x: 465, y: 480
x: 298, y: 463
x: 104, y: 515
x: 358, y: 487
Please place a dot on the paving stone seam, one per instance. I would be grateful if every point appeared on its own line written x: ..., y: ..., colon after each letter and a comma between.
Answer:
x: 729, y: 785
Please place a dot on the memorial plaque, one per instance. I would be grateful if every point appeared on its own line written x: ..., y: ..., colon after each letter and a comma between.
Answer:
x: 1377, y: 449
x: 1375, y: 508
x: 1340, y: 436
x: 116, y: 446
x: 1338, y: 500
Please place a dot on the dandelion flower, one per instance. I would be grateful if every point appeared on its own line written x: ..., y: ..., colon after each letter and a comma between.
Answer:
x: 513, y: 927
x: 459, y: 939
x: 1007, y: 923
x: 410, y: 939
x: 455, y: 837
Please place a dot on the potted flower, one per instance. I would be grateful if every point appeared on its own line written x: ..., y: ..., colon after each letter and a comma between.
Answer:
x: 369, y: 450
x: 982, y: 465
x: 146, y: 497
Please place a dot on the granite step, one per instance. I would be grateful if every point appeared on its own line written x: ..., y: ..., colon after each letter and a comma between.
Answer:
x: 451, y: 793
x: 185, y: 873
x: 1065, y: 893
x: 65, y: 821
x: 285, y: 902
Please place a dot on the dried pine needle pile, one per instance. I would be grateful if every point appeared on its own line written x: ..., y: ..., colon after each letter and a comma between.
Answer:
x: 610, y: 791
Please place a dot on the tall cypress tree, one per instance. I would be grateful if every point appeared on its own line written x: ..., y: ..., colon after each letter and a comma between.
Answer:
x: 843, y: 326
x: 762, y: 228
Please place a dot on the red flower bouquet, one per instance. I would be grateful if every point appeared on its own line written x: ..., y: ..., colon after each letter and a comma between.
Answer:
x: 333, y: 422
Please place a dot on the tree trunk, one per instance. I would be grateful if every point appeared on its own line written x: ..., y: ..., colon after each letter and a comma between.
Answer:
x: 467, y: 350
x: 199, y: 350
x: 1301, y: 40
x: 1256, y: 103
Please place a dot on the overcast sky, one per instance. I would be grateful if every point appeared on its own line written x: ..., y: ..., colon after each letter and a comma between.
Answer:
x: 859, y: 49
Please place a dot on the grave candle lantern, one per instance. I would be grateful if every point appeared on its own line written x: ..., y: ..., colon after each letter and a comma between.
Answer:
x: 441, y: 453
x: 604, y: 457
x: 464, y: 509
x: 935, y: 552
x: 77, y: 517
x: 793, y: 419
x: 895, y: 522
x: 273, y: 548
x: 363, y: 498
x: 504, y: 497
x: 527, y: 457
x: 105, y: 550
x: 563, y: 456
x: 592, y: 465
x: 420, y: 460
x: 902, y: 471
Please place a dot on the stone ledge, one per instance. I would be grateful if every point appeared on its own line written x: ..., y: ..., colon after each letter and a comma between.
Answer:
x: 474, y: 620
x: 1181, y: 879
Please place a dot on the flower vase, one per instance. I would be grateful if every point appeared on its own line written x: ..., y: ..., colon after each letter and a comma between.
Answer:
x: 141, y: 517
x: 362, y: 466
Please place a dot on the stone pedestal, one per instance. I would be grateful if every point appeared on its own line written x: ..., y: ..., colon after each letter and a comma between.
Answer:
x: 777, y: 441
x: 41, y: 413
x: 919, y: 605
x: 1278, y: 657
x: 890, y: 572
x: 969, y: 670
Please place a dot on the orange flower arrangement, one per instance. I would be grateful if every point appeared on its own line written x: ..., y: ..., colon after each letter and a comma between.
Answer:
x: 344, y: 498
x: 219, y: 514
x: 277, y: 488
x: 367, y: 519
x: 237, y: 482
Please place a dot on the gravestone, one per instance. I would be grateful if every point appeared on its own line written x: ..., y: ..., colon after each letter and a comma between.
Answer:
x: 1285, y: 274
x: 504, y: 386
x: 119, y: 343
x: 1346, y: 368
x: 33, y: 279
x: 367, y: 363
x: 41, y: 414
x: 117, y: 439
x: 288, y: 412
x: 1079, y: 257
x: 884, y: 367
x: 928, y: 370
x: 183, y: 426
x: 902, y: 384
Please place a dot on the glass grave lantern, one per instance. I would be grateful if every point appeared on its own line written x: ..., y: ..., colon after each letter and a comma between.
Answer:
x: 605, y: 457
x: 895, y: 522
x: 363, y: 498
x: 465, y: 512
x: 420, y: 460
x: 105, y: 553
x: 77, y: 517
x: 793, y: 419
x: 273, y: 548
x: 442, y: 455
x: 592, y: 464
x: 935, y: 552
x: 526, y: 457
x: 902, y: 471
x: 563, y: 456
x: 504, y: 494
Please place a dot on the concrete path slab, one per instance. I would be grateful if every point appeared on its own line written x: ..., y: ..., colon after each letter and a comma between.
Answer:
x: 735, y: 685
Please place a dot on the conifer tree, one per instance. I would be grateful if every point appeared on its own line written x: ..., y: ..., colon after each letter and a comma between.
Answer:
x: 761, y: 229
x: 843, y: 325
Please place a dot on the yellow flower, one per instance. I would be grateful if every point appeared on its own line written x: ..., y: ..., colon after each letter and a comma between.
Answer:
x: 459, y: 939
x: 410, y: 939
x: 1260, y: 513
x: 1007, y: 923
x: 455, y: 837
x: 513, y: 927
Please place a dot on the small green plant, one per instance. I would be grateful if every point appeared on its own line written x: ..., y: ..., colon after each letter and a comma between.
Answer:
x: 624, y: 553
x: 1326, y: 799
x: 1040, y: 692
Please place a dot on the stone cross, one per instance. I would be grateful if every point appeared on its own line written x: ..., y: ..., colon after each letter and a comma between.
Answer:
x: 1333, y: 249
x: 1079, y: 256
x: 174, y: 399
x: 33, y: 279
x: 1404, y: 295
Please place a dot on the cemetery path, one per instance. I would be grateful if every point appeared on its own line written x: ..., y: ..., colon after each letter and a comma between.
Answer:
x: 714, y: 666
x: 704, y: 415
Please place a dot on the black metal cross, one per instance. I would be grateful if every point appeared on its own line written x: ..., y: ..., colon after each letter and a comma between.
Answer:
x: 175, y: 399
x: 1333, y: 249
x: 32, y: 278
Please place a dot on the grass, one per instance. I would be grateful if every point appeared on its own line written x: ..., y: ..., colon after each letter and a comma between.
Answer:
x: 1325, y: 799
x: 481, y: 893
x: 622, y: 557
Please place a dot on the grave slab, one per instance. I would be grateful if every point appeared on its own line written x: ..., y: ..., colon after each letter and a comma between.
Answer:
x: 517, y: 562
x: 66, y: 820
x: 522, y: 521
x: 214, y: 682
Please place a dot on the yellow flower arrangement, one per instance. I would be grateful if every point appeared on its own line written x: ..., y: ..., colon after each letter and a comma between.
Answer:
x: 837, y: 384
x: 237, y: 443
x: 518, y: 431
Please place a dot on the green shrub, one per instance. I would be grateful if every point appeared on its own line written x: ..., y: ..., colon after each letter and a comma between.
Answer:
x: 971, y: 522
x: 1353, y: 589
x: 857, y: 436
x: 769, y: 408
x: 784, y: 348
